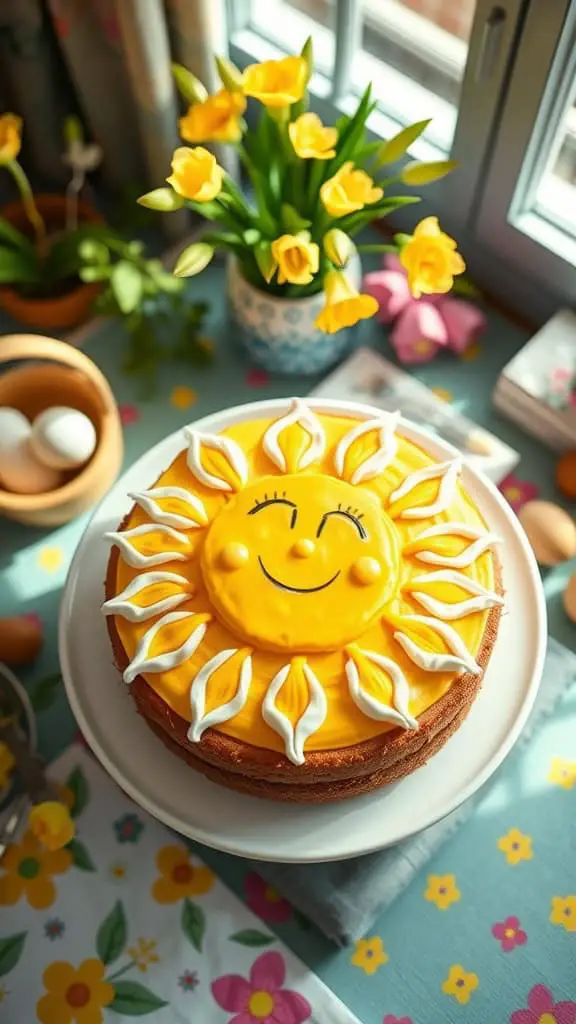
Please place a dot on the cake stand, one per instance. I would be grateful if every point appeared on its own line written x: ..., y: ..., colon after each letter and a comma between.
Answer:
x: 251, y: 827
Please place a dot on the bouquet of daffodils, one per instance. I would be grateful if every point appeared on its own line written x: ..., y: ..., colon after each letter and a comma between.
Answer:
x: 313, y: 187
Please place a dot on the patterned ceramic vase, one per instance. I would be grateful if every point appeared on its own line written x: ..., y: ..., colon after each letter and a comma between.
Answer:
x: 279, y: 334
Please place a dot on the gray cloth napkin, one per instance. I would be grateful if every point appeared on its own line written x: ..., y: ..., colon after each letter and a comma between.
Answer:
x: 342, y: 898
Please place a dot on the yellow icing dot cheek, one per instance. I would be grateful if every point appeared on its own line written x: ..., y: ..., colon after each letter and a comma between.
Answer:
x: 365, y: 571
x: 303, y: 548
x: 234, y: 555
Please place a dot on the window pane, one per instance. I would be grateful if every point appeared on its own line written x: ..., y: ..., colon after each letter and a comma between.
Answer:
x: 556, y: 193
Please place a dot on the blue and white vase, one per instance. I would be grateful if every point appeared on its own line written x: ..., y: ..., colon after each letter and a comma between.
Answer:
x: 279, y: 334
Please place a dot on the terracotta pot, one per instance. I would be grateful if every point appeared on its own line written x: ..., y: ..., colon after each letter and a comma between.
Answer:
x: 58, y: 374
x: 61, y: 312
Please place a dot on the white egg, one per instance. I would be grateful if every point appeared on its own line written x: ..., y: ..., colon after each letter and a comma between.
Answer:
x: 21, y: 472
x: 13, y: 427
x: 63, y: 438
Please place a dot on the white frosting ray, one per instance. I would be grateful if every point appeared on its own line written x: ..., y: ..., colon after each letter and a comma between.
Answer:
x: 149, y: 501
x: 369, y: 705
x: 299, y: 413
x: 376, y: 463
x: 232, y: 452
x: 136, y: 558
x: 482, y: 540
x: 170, y: 659
x: 460, y: 660
x: 446, y: 472
x: 201, y: 721
x: 310, y: 721
x: 482, y: 600
x: 123, y: 605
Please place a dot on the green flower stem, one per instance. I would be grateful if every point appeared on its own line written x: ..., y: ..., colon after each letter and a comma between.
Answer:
x: 123, y: 970
x: 377, y: 248
x: 29, y: 205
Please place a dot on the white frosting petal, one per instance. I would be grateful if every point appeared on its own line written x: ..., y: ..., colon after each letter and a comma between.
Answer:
x: 375, y: 464
x: 482, y: 600
x: 299, y: 413
x: 123, y: 605
x: 170, y: 659
x: 217, y: 442
x: 310, y: 721
x: 482, y: 540
x: 367, y: 702
x: 149, y: 501
x: 200, y: 721
x: 460, y: 660
x: 135, y: 558
x: 446, y: 472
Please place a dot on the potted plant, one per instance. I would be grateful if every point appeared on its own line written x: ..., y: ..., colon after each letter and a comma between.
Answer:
x: 293, y: 283
x: 40, y: 237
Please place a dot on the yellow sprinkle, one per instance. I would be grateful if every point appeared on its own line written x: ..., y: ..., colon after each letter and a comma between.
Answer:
x: 183, y: 397
x: 472, y: 353
x: 50, y: 559
x: 443, y: 394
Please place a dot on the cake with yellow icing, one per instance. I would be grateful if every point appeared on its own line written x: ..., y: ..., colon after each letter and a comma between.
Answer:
x: 303, y: 607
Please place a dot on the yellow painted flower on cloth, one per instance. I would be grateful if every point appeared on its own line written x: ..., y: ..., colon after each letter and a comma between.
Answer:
x: 7, y: 762
x: 516, y: 846
x: 27, y: 869
x: 10, y: 137
x: 460, y: 984
x: 369, y: 955
x: 344, y: 305
x: 350, y: 189
x: 179, y: 877
x: 311, y: 139
x: 430, y: 259
x: 144, y: 953
x: 52, y: 825
x: 442, y: 890
x: 195, y: 174
x: 75, y: 995
x: 562, y: 773
x: 563, y: 912
x: 217, y: 119
x: 277, y: 83
x: 297, y: 258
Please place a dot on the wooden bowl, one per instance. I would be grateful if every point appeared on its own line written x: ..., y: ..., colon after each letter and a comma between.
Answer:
x: 55, y: 373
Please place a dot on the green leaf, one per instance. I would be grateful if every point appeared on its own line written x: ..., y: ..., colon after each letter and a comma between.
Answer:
x: 391, y: 151
x: 126, y: 281
x: 292, y: 221
x: 230, y: 76
x: 91, y: 274
x: 165, y: 200
x: 18, y: 267
x: 193, y: 260
x: 78, y: 785
x: 251, y: 937
x: 416, y: 173
x: 266, y: 263
x: 352, y: 133
x: 307, y: 52
x: 251, y: 236
x: 11, y: 235
x: 94, y: 251
x: 73, y: 130
x: 46, y: 691
x: 11, y: 951
x: 111, y: 936
x: 134, y: 1000
x: 193, y: 923
x: 80, y: 856
x: 189, y: 87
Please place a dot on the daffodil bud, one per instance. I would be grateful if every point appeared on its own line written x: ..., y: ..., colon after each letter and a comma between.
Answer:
x: 193, y: 260
x: 162, y: 199
x: 189, y: 87
x: 308, y: 53
x: 230, y: 76
x: 338, y: 247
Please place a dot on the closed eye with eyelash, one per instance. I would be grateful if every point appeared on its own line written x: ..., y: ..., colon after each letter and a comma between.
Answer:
x: 276, y: 499
x: 346, y: 514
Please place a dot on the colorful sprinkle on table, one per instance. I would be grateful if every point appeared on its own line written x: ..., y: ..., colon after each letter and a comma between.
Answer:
x: 443, y: 394
x: 128, y: 414
x: 183, y: 397
x: 50, y: 559
x: 256, y: 378
x: 517, y: 492
x: 469, y: 355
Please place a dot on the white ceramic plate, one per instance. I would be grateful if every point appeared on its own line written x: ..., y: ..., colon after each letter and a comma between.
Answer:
x: 252, y: 827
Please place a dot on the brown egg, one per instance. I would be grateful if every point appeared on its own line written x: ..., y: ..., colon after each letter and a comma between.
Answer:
x: 566, y: 475
x: 550, y: 530
x: 569, y: 598
x: 20, y: 640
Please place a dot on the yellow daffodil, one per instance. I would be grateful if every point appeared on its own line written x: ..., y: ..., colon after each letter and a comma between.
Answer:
x: 217, y: 119
x: 350, y: 189
x: 195, y: 174
x: 179, y: 877
x: 344, y: 305
x: 430, y: 259
x: 10, y: 137
x: 442, y: 891
x: 563, y: 912
x: 7, y: 762
x: 369, y: 955
x: 74, y: 994
x: 562, y: 773
x: 27, y: 869
x: 311, y: 139
x: 277, y: 83
x: 516, y: 846
x: 51, y: 824
x: 297, y: 258
x: 460, y: 984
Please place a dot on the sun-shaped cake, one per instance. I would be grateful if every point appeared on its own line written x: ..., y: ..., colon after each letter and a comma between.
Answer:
x: 304, y: 606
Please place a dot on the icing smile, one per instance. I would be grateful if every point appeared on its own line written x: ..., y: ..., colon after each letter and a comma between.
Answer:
x: 296, y: 590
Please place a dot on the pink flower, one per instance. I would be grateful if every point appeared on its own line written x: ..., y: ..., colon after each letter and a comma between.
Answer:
x: 391, y: 1019
x: 463, y: 321
x: 261, y: 1000
x: 128, y: 414
x: 509, y: 934
x: 542, y: 1007
x: 264, y: 900
x: 256, y: 378
x: 518, y: 492
x: 391, y: 291
x: 418, y: 333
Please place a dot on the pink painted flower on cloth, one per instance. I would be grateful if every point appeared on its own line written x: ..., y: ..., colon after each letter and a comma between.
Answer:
x: 518, y: 492
x: 128, y: 414
x: 541, y: 1007
x: 261, y: 999
x: 264, y: 900
x: 509, y: 934
x: 391, y: 1019
x: 418, y: 333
